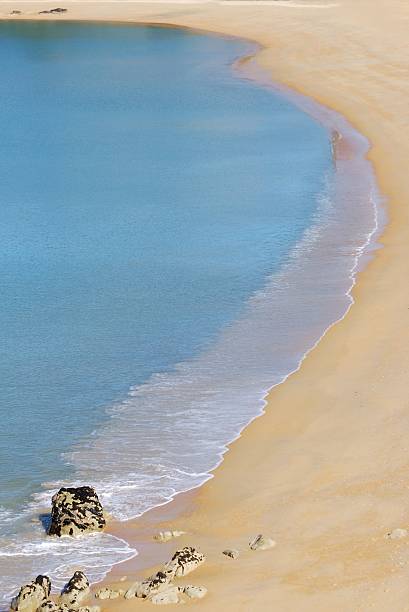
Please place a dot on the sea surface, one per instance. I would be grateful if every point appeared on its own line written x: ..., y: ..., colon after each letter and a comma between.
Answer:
x: 174, y: 237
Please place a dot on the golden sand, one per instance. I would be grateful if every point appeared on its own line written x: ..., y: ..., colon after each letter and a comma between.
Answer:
x: 325, y: 471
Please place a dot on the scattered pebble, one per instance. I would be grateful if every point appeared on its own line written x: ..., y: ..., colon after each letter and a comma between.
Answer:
x: 123, y: 578
x: 195, y: 592
x: 397, y: 534
x: 165, y: 536
x: 231, y: 552
x: 170, y: 596
x: 260, y: 542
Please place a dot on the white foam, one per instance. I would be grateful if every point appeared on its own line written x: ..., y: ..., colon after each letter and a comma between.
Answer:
x: 28, y: 551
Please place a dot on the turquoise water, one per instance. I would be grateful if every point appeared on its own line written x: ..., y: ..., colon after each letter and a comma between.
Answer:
x: 148, y: 197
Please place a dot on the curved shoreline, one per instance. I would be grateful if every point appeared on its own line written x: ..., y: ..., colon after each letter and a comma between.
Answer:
x: 343, y: 132
x: 352, y: 329
x: 371, y: 244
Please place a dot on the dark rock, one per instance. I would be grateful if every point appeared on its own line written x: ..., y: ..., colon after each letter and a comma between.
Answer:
x: 75, y: 511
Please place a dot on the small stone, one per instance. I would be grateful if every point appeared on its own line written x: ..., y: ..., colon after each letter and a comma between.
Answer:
x: 165, y: 536
x: 231, y: 552
x: 170, y: 596
x: 195, y: 592
x: 107, y: 594
x: 123, y: 578
x: 260, y: 542
x: 397, y: 534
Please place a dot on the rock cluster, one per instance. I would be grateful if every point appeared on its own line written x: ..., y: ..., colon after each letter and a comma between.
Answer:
x: 159, y: 588
x: 35, y: 597
x: 75, y: 511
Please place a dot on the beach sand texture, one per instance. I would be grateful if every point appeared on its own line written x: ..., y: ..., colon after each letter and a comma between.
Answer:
x: 326, y: 471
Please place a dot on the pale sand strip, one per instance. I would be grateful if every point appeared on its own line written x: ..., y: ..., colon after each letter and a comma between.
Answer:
x: 325, y: 471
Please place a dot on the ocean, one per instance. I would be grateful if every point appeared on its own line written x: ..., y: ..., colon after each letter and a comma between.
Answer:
x: 174, y: 238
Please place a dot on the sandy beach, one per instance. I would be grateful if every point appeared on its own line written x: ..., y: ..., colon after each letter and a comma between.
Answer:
x: 325, y: 471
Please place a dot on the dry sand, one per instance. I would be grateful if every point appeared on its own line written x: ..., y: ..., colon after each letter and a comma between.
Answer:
x: 326, y: 471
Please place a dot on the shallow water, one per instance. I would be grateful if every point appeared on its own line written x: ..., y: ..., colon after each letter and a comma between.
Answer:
x: 173, y: 239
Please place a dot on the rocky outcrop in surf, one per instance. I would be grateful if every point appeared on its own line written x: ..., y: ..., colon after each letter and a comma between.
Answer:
x: 76, y: 510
